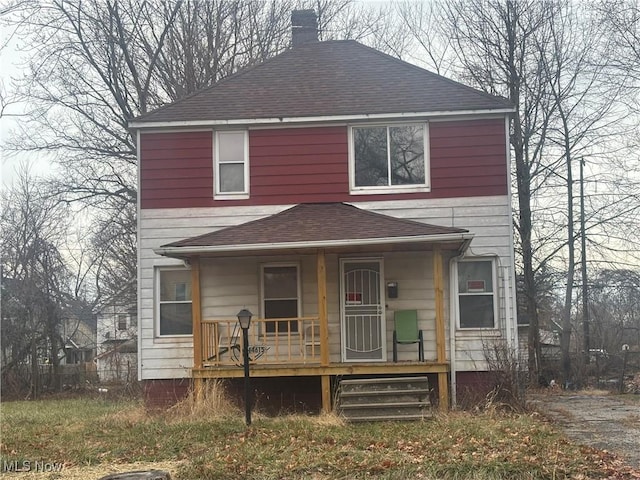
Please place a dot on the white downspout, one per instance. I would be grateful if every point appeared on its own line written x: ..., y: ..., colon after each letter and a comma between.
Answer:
x: 507, y: 306
x: 453, y: 313
x: 139, y: 255
x: 453, y: 316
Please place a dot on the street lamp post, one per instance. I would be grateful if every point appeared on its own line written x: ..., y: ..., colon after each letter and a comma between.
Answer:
x: 244, y: 318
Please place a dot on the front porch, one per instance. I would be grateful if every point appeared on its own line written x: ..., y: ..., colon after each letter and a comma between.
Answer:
x: 301, y: 345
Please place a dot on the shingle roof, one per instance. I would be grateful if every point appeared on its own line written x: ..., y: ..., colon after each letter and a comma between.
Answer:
x: 326, y: 79
x: 320, y: 222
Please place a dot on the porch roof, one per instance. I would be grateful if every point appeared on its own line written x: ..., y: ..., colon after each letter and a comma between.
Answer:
x: 313, y: 226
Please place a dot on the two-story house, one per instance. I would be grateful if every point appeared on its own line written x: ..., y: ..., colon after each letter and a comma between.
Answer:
x: 325, y: 190
x: 116, y: 340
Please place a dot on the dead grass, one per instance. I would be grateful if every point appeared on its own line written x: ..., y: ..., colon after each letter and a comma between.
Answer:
x: 202, y: 440
x: 208, y: 400
x: 595, y: 392
x: 134, y: 414
x: 630, y: 398
x: 632, y: 421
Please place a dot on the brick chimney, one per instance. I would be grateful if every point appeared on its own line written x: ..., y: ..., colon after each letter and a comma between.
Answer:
x: 304, y: 27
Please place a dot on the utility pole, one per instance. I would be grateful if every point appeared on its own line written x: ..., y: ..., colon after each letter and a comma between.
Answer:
x: 585, y: 289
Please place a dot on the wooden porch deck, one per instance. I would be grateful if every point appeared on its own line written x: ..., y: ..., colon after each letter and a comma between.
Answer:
x: 337, y: 368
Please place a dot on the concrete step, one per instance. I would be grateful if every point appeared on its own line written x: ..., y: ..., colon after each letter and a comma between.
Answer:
x: 356, y: 406
x: 384, y: 399
x: 390, y: 418
x: 349, y: 398
x: 385, y: 384
x: 383, y: 380
x: 383, y: 412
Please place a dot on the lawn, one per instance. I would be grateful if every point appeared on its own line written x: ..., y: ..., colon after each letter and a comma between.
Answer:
x: 92, y: 433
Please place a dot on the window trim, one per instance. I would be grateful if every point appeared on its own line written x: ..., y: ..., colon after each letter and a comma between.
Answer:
x: 157, y: 302
x: 385, y: 189
x: 494, y: 294
x: 217, y: 194
x: 262, y: 293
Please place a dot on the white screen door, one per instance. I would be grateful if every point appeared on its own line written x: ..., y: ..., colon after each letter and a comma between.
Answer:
x: 363, y: 327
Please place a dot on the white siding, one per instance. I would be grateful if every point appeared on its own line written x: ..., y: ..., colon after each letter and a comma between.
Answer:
x: 232, y: 283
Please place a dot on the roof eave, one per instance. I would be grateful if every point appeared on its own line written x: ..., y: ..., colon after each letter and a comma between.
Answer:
x: 185, y: 252
x: 316, y: 119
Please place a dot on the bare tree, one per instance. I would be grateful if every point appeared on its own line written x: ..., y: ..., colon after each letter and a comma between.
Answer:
x: 432, y: 43
x: 35, y: 280
x: 495, y: 44
x: 583, y: 123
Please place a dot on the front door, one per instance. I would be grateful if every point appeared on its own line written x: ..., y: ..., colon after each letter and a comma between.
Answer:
x: 362, y: 308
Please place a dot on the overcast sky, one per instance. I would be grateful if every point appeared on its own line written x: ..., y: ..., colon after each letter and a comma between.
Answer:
x: 9, y: 68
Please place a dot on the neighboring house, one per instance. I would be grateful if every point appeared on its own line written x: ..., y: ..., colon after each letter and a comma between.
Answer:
x: 117, y: 333
x: 118, y: 362
x: 324, y: 190
x: 79, y: 341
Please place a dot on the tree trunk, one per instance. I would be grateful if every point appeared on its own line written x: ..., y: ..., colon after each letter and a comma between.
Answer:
x: 35, y: 373
x: 565, y: 340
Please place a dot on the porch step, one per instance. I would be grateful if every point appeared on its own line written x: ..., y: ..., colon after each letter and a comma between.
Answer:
x: 384, y: 396
x: 384, y: 399
x: 389, y: 418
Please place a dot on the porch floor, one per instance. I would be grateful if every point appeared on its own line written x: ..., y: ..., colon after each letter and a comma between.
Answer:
x: 339, y: 368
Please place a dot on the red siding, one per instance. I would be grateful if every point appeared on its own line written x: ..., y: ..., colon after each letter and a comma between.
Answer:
x: 176, y: 169
x: 304, y: 165
x: 298, y: 165
x: 468, y: 158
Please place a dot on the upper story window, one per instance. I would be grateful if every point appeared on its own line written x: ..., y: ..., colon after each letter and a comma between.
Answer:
x: 476, y: 294
x: 231, y: 153
x: 173, y: 297
x: 389, y: 158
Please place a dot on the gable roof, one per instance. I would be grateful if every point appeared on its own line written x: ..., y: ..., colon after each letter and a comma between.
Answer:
x: 319, y: 79
x: 315, y: 226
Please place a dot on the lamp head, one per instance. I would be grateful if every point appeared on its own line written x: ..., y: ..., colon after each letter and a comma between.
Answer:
x: 244, y: 318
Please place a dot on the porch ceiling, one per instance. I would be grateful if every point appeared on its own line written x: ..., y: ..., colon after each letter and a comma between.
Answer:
x: 305, y: 228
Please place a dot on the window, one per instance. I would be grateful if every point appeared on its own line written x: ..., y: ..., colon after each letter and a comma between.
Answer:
x: 174, y: 302
x: 280, y: 296
x: 476, y: 297
x: 133, y: 317
x: 122, y: 321
x: 231, y: 164
x: 389, y: 158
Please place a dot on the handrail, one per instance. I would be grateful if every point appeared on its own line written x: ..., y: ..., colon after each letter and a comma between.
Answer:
x: 271, y: 341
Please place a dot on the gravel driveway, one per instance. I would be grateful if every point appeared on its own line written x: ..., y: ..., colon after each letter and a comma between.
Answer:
x: 600, y: 420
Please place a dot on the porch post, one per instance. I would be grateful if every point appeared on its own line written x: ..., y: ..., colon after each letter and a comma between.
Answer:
x: 324, y: 328
x: 441, y: 349
x: 196, y: 312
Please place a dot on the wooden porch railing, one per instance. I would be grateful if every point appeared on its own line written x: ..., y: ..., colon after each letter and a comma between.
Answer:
x: 271, y: 342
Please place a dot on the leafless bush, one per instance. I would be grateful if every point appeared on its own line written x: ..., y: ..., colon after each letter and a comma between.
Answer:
x: 509, y: 379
